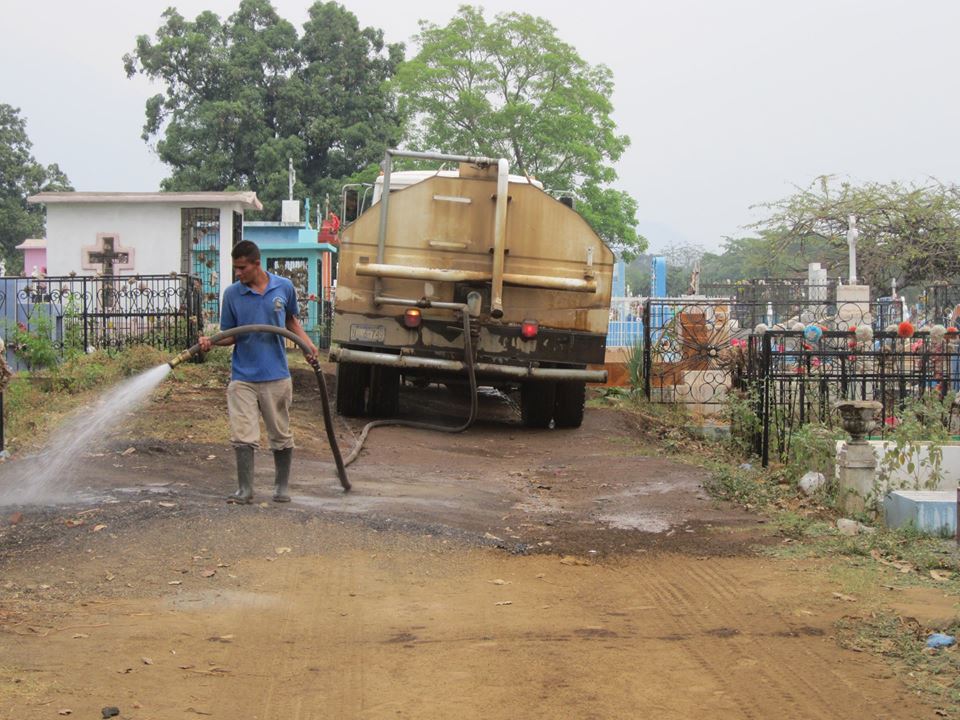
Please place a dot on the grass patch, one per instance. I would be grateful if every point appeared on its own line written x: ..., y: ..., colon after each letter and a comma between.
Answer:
x: 36, y: 403
x: 934, y: 673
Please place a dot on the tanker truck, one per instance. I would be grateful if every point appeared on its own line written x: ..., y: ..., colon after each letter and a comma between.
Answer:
x: 469, y: 271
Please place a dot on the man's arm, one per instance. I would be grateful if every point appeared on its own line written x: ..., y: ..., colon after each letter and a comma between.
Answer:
x: 227, y: 321
x: 205, y: 343
x: 294, y: 326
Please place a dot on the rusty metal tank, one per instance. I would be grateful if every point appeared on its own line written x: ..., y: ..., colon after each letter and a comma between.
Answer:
x: 527, y: 269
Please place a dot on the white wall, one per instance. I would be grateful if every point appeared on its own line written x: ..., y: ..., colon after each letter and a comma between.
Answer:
x: 151, y: 229
x: 901, y: 478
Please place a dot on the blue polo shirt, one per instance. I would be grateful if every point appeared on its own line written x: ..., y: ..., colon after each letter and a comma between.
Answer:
x: 259, y: 357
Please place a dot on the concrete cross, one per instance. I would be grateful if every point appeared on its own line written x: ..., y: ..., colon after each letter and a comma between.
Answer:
x: 852, y: 235
x: 108, y: 255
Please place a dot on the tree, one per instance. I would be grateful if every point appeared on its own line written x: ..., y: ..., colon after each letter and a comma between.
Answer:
x: 511, y: 88
x: 909, y: 233
x: 770, y: 254
x: 20, y: 177
x: 244, y: 95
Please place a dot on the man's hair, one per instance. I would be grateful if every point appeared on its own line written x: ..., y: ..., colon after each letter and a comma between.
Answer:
x: 246, y: 249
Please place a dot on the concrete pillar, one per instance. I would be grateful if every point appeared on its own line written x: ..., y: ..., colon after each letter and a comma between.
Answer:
x: 853, y: 306
x: 856, y: 473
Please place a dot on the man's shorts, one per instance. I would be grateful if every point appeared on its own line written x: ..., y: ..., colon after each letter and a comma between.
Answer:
x: 248, y: 401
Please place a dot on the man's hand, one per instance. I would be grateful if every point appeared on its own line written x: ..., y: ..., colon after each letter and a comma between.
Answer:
x: 205, y: 343
x: 312, y: 356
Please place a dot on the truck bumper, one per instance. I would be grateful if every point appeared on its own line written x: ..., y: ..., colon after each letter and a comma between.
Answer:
x: 482, y: 369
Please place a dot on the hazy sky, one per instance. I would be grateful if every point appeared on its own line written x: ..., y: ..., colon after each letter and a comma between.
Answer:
x: 728, y: 103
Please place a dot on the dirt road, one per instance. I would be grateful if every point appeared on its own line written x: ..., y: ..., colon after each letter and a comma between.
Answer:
x: 500, y: 573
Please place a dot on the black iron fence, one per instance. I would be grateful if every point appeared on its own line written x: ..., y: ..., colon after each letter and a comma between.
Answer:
x: 67, y: 314
x: 691, y: 346
x: 795, y: 378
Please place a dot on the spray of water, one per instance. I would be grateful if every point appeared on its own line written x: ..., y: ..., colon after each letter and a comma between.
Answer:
x: 47, y: 478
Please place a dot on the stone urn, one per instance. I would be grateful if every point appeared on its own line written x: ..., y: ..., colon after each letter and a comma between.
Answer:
x: 857, y: 417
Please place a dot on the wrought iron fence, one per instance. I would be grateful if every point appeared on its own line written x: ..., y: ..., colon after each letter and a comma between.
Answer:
x: 77, y: 313
x: 690, y: 345
x: 686, y: 350
x: 794, y: 378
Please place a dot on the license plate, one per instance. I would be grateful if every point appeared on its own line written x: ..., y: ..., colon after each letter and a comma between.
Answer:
x: 368, y: 333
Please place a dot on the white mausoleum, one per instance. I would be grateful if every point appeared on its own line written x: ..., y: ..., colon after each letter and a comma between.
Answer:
x: 144, y: 233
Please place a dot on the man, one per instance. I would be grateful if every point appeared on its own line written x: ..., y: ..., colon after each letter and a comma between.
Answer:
x: 260, y: 378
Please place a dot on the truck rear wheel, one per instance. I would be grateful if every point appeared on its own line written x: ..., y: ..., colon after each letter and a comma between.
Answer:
x: 536, y: 403
x: 352, y: 382
x: 384, y: 391
x: 568, y: 409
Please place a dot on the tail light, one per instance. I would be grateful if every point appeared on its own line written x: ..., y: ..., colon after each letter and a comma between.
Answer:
x: 529, y: 328
x: 412, y: 318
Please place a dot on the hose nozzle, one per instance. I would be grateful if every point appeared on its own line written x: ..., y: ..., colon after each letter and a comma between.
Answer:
x: 177, y: 359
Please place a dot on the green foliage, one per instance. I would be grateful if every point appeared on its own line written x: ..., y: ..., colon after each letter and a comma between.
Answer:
x: 511, y: 88
x: 740, y: 411
x: 34, y: 346
x: 745, y: 486
x: 922, y: 551
x: 771, y: 254
x: 20, y: 177
x: 34, y: 403
x: 635, y: 366
x: 812, y: 447
x: 243, y: 95
x: 907, y: 232
x: 915, y: 446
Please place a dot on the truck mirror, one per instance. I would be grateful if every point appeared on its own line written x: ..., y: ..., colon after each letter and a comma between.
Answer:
x: 351, y: 205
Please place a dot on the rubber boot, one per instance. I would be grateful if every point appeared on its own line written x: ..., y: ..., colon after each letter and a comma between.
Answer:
x: 281, y: 462
x: 244, y: 493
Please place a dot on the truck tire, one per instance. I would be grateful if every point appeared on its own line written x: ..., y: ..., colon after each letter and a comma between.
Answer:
x: 352, y: 382
x: 568, y: 408
x: 536, y: 403
x: 384, y: 392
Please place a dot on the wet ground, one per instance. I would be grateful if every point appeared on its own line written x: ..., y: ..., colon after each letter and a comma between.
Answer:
x: 496, y: 573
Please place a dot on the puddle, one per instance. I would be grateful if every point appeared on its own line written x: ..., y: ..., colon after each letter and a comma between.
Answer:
x: 643, y: 521
x: 222, y: 599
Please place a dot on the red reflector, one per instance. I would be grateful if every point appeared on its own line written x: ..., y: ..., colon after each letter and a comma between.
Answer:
x: 412, y: 318
x: 529, y: 329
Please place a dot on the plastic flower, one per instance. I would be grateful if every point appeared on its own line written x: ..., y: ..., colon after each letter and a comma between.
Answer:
x: 905, y: 329
x: 937, y: 332
x: 760, y: 329
x: 813, y: 333
x: 864, y: 333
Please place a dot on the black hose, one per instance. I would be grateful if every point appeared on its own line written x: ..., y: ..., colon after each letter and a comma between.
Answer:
x: 324, y: 398
x: 472, y: 377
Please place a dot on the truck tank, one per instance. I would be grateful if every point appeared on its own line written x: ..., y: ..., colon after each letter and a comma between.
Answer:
x: 529, y: 271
